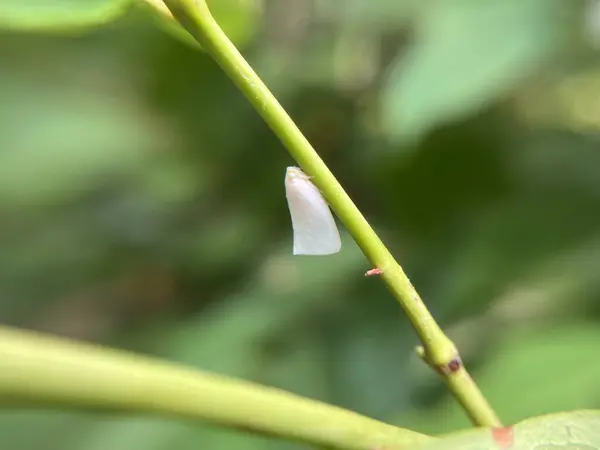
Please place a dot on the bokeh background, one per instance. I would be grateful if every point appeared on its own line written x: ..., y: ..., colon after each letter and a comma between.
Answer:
x: 142, y: 204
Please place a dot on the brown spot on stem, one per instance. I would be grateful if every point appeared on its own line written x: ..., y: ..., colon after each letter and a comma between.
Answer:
x: 454, y: 365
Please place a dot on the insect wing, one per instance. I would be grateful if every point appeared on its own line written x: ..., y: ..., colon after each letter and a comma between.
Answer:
x: 315, y: 230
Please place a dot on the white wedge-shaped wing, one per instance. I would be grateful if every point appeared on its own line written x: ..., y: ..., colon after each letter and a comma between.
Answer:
x: 315, y: 231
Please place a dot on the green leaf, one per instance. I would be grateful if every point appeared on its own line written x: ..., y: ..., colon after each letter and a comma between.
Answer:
x: 58, y: 15
x: 90, y: 139
x: 239, y: 19
x: 578, y: 430
x: 467, y: 54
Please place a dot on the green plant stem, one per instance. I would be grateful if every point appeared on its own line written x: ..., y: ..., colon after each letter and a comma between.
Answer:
x: 42, y: 370
x: 439, y: 350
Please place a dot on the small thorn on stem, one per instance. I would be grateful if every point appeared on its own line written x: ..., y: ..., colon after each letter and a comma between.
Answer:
x: 371, y: 272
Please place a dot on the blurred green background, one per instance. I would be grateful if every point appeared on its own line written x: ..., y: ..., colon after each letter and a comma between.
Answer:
x: 142, y: 203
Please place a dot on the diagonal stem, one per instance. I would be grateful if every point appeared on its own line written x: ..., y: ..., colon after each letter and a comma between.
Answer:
x: 438, y: 350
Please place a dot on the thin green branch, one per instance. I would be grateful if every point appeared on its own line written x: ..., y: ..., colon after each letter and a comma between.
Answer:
x: 42, y: 370
x: 439, y: 351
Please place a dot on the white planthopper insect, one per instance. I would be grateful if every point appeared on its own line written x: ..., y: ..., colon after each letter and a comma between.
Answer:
x: 315, y: 231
